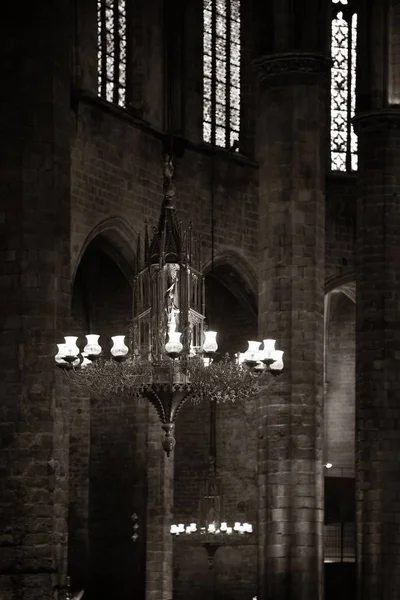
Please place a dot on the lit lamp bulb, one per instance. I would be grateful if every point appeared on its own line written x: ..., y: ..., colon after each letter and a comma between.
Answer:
x: 277, y: 365
x: 119, y: 349
x: 70, y: 347
x: 210, y: 344
x: 92, y: 347
x: 60, y: 356
x: 253, y: 354
x: 174, y: 345
x: 269, y: 349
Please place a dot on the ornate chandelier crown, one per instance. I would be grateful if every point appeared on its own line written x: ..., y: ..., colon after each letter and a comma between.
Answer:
x: 169, y: 357
x: 168, y: 291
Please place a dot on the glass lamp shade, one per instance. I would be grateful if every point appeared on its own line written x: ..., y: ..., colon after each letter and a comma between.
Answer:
x: 174, y: 345
x: 70, y: 346
x: 92, y: 347
x: 210, y: 341
x: 119, y: 348
x: 277, y: 365
x: 59, y: 357
x: 269, y: 348
x: 253, y: 352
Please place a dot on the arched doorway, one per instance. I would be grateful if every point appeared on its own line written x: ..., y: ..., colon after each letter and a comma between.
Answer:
x: 107, y: 444
x: 339, y: 440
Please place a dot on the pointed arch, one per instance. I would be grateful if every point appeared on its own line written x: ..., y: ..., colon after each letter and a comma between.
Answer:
x: 345, y: 283
x: 237, y: 275
x: 117, y: 239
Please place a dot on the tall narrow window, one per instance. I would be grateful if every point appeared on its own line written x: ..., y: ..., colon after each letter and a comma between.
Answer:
x: 343, y: 86
x: 111, y: 50
x: 221, y: 72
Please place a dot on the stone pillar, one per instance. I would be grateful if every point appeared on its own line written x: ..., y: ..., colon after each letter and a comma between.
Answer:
x: 378, y: 356
x: 160, y: 496
x: 292, y: 141
x: 377, y: 124
x: 34, y: 299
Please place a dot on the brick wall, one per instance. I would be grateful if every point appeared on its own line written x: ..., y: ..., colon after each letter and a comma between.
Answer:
x: 340, y: 222
x: 117, y: 171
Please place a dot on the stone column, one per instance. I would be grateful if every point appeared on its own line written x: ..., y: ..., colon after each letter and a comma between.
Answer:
x: 160, y: 495
x: 378, y: 356
x: 34, y: 299
x: 377, y: 313
x: 292, y: 142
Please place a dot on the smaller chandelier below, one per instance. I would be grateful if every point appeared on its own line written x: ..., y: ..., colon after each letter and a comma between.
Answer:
x: 212, y: 529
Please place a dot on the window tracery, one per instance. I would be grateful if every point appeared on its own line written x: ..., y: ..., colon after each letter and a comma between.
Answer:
x: 343, y: 86
x: 111, y: 50
x: 221, y: 72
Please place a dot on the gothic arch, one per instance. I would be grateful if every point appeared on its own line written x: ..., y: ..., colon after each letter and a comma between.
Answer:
x: 117, y: 239
x: 344, y: 283
x: 237, y: 275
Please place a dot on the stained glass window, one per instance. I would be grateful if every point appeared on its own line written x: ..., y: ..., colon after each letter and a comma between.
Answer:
x: 111, y: 50
x: 343, y: 86
x: 221, y: 72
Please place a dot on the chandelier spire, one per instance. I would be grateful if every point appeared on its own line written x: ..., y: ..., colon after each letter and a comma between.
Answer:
x: 167, y: 245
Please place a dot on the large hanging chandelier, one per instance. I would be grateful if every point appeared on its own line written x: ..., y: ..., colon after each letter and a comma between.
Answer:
x: 169, y: 355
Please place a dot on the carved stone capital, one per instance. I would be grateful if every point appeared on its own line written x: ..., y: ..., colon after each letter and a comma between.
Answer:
x: 272, y: 65
x: 377, y: 120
